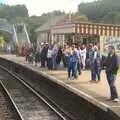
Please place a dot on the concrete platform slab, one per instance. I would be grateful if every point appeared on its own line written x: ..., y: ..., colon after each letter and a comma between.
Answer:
x: 98, y: 92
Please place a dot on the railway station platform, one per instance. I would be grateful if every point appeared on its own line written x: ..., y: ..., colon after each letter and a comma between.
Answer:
x: 96, y: 91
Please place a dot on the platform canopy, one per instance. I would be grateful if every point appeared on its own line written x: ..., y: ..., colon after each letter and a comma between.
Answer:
x: 66, y: 25
x: 49, y: 24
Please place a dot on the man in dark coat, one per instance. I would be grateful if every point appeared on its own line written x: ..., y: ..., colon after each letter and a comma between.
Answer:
x: 95, y: 63
x: 44, y: 55
x: 112, y: 66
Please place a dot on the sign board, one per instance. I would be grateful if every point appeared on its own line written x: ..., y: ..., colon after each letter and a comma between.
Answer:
x: 114, y: 41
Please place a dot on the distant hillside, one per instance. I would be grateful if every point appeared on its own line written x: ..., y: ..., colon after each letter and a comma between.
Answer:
x: 107, y: 11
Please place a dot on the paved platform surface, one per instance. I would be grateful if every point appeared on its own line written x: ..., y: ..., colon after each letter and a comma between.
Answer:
x: 99, y: 91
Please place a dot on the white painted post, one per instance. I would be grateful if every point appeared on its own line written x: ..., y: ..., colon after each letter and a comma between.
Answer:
x: 15, y: 34
x: 25, y: 29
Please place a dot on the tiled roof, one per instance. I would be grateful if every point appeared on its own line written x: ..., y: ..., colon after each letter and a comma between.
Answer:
x: 47, y: 25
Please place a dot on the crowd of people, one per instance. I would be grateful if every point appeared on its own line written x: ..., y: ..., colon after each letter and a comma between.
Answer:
x: 75, y: 58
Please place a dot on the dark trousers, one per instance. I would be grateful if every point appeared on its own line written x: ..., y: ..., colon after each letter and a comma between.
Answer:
x: 95, y: 71
x: 54, y: 62
x: 65, y: 61
x: 27, y: 57
x: 79, y: 68
x: 30, y: 59
x: 49, y: 63
x: 43, y: 62
x: 72, y: 68
x: 111, y: 78
x: 37, y: 58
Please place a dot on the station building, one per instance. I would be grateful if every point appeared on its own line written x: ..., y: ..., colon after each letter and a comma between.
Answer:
x: 72, y: 29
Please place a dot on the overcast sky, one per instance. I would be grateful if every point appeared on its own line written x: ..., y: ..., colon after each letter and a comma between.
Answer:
x: 37, y: 7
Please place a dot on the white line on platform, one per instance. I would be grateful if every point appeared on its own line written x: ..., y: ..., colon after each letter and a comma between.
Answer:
x: 115, y: 106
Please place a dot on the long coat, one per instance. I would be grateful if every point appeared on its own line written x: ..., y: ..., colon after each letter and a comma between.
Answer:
x: 96, y: 62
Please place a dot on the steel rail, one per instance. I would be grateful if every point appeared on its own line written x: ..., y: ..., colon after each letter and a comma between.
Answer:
x: 11, y: 100
x: 37, y: 94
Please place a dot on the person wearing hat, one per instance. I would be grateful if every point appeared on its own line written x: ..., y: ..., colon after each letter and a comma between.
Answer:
x: 95, y: 65
x: 111, y: 64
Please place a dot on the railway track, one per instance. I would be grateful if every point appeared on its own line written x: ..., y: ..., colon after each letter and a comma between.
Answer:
x: 8, y: 110
x: 30, y: 104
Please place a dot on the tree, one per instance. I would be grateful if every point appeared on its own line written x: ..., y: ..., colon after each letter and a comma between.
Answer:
x: 4, y: 36
x: 36, y: 21
x: 12, y: 12
x: 112, y: 17
x: 98, y: 10
x: 81, y: 17
x: 19, y: 14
